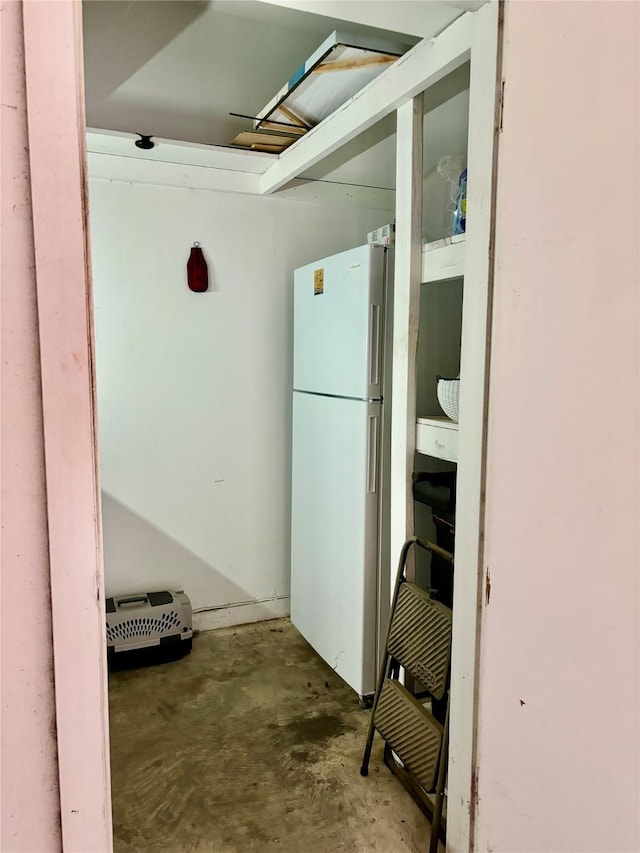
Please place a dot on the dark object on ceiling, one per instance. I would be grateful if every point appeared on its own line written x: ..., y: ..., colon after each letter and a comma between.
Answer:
x: 144, y: 142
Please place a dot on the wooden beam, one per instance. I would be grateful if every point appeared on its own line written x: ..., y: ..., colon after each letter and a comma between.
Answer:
x: 469, y: 587
x: 115, y: 167
x: 349, y: 64
x: 270, y: 149
x: 248, y: 138
x: 111, y: 167
x: 406, y: 317
x: 426, y: 64
x: 277, y: 126
x: 293, y: 117
x: 172, y: 151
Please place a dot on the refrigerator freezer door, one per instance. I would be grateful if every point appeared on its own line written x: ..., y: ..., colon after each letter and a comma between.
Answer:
x: 338, y: 316
x: 334, y: 541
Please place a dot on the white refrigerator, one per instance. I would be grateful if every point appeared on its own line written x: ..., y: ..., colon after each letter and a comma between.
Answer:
x: 340, y: 571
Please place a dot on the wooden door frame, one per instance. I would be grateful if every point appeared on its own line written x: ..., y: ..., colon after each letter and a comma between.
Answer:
x: 470, y: 594
x: 54, y: 77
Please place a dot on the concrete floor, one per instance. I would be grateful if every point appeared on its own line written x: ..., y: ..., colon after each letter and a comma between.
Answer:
x: 251, y: 743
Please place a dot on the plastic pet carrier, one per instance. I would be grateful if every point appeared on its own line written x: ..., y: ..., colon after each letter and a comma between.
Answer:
x: 147, y: 628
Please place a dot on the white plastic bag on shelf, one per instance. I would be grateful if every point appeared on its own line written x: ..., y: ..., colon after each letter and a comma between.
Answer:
x: 440, y: 191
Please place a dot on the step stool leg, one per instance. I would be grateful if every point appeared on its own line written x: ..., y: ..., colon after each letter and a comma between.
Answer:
x: 442, y: 777
x: 386, y: 660
x: 384, y: 674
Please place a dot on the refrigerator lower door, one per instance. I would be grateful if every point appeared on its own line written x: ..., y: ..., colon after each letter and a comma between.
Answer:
x: 334, y: 538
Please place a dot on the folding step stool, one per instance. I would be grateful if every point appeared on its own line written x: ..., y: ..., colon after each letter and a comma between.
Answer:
x: 419, y: 640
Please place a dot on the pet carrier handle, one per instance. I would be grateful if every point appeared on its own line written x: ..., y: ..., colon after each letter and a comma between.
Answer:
x: 135, y: 599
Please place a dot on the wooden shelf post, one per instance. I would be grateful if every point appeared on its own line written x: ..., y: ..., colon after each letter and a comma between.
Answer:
x: 406, y: 317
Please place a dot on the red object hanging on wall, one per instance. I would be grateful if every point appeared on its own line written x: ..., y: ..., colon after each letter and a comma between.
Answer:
x: 197, y: 274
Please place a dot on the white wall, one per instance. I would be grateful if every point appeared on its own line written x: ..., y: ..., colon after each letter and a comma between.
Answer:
x: 194, y: 389
x: 559, y: 693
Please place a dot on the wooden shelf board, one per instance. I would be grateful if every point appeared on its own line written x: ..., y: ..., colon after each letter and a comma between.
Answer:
x: 437, y: 437
x: 439, y: 421
x: 443, y: 259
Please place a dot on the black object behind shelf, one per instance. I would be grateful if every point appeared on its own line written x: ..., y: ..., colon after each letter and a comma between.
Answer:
x: 438, y: 491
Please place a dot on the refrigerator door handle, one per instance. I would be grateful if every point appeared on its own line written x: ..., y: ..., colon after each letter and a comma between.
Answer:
x: 374, y: 345
x: 372, y: 455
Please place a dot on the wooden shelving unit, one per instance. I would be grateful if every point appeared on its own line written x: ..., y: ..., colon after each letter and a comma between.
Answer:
x: 442, y: 261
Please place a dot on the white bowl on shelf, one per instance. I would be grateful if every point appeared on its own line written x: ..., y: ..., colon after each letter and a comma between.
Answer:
x: 449, y: 396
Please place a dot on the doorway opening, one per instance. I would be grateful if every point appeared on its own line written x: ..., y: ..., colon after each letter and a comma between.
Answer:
x: 194, y: 404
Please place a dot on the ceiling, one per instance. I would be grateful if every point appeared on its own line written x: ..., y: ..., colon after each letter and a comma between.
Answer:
x: 175, y: 69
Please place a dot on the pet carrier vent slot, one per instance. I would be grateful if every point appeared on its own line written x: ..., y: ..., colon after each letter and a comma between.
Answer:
x: 146, y: 626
